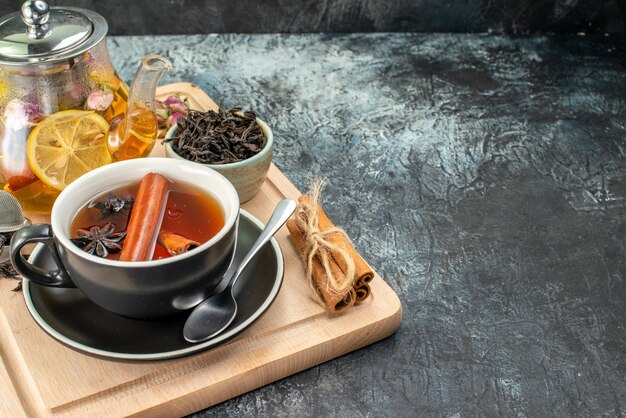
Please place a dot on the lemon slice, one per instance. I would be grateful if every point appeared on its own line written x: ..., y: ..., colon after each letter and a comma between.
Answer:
x: 66, y: 145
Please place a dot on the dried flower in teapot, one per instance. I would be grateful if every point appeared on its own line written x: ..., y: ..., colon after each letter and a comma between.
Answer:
x: 99, y: 100
x: 19, y: 114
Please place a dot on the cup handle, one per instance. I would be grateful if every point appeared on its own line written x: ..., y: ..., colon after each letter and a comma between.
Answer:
x: 39, y: 233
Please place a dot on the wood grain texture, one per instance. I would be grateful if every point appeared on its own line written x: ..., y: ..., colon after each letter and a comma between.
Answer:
x: 41, y: 377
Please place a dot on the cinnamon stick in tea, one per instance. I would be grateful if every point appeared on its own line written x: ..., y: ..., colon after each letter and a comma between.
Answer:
x: 336, y: 265
x: 145, y: 218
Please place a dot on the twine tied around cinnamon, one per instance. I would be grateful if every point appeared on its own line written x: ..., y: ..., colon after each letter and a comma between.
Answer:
x: 335, y: 270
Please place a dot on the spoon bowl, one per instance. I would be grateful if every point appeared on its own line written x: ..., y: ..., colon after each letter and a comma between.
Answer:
x: 215, y: 313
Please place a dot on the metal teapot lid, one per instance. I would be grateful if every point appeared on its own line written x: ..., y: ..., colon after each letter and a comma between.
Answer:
x: 40, y: 34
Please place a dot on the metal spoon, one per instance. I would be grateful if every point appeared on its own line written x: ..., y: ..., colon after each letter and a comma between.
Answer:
x: 216, y: 312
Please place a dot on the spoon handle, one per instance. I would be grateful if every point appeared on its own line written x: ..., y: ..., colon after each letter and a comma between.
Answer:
x: 282, y: 213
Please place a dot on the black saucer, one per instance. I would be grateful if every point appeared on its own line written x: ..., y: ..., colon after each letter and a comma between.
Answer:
x: 68, y: 316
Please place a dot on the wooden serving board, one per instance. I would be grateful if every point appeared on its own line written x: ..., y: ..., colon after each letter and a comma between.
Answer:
x: 40, y: 377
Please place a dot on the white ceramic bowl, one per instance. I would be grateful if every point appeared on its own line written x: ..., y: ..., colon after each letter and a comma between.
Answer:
x: 248, y: 175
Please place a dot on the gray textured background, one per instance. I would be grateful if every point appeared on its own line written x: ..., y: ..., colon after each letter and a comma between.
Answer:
x: 144, y: 17
x: 484, y: 177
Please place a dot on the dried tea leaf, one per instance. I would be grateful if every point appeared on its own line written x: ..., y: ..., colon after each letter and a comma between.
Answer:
x: 222, y: 137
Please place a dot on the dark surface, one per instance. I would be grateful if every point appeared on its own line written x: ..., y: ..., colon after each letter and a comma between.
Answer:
x: 152, y: 17
x: 483, y: 177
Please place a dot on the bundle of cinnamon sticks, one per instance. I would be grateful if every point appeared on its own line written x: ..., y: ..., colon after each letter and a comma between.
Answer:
x: 336, y: 271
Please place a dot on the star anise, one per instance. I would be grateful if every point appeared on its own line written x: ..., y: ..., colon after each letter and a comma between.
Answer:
x: 112, y: 204
x: 99, y: 241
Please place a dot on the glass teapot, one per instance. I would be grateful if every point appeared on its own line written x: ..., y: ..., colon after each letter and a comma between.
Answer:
x: 63, y: 108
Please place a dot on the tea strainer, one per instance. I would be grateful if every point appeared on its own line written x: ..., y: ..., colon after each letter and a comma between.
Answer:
x: 11, y: 219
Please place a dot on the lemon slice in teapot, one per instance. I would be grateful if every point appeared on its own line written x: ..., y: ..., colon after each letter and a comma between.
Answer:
x: 66, y: 145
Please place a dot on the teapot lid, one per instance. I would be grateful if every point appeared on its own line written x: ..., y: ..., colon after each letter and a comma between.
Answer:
x: 40, y: 34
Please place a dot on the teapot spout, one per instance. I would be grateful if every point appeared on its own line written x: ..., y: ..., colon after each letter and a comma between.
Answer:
x: 135, y: 135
